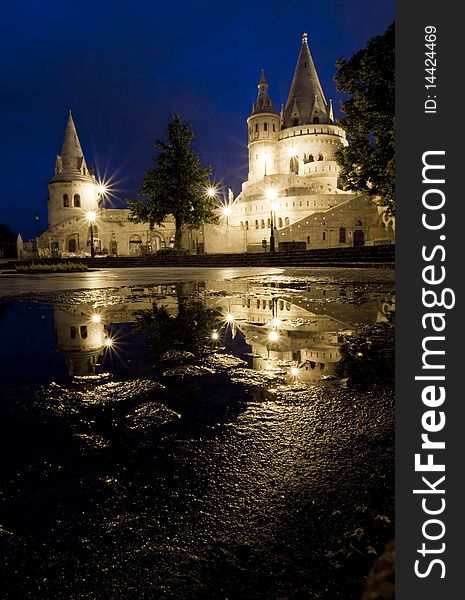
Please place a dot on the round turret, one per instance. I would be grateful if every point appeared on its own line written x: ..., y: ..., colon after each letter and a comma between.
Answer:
x: 263, y: 133
x: 73, y: 190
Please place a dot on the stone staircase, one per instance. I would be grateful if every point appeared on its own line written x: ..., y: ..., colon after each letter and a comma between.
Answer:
x: 365, y: 256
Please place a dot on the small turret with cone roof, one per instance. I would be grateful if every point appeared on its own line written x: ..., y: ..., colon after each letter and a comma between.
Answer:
x: 73, y: 190
x: 263, y: 126
x: 263, y: 102
x: 70, y: 163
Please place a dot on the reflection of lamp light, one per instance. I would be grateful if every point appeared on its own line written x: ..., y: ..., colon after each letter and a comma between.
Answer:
x: 91, y: 216
x: 294, y: 371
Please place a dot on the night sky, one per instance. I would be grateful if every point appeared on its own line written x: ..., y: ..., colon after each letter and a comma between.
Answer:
x: 124, y: 68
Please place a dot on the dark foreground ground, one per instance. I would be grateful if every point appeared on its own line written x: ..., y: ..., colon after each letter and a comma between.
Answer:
x: 286, y: 495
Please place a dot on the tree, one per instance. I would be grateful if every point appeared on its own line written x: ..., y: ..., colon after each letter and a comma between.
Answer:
x: 367, y: 164
x: 176, y: 185
x: 190, y: 330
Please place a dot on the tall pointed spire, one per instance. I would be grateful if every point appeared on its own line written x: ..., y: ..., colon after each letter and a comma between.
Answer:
x: 263, y: 102
x: 306, y: 93
x: 71, y: 162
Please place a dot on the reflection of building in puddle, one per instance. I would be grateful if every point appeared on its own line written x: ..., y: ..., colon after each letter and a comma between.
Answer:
x: 83, y: 333
x: 299, y: 333
x: 293, y: 332
x: 82, y: 337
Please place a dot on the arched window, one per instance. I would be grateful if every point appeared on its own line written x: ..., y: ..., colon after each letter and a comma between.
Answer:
x: 77, y: 200
x: 358, y: 223
x: 280, y: 222
x: 320, y: 157
x: 242, y: 224
x: 262, y: 223
x: 65, y: 201
x: 295, y: 122
x: 268, y: 222
x: 265, y: 126
x: 246, y: 224
x: 342, y: 235
x: 316, y: 120
x: 256, y: 223
x: 294, y: 165
x: 286, y: 221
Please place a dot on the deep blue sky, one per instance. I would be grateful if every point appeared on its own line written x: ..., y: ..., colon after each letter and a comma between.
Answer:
x: 125, y: 67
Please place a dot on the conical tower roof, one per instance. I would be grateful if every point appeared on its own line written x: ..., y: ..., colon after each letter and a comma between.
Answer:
x: 263, y: 102
x: 306, y: 97
x: 71, y: 164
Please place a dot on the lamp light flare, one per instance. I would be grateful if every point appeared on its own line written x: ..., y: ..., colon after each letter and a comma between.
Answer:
x: 211, y: 191
x: 226, y: 211
x: 109, y: 343
x: 273, y: 336
x: 294, y: 371
x: 229, y: 317
x: 96, y: 318
x: 101, y: 189
x: 215, y: 336
x: 291, y: 152
x: 271, y: 193
x: 276, y: 322
x: 91, y: 216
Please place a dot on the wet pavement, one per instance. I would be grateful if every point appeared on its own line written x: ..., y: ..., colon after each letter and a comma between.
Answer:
x: 178, y: 434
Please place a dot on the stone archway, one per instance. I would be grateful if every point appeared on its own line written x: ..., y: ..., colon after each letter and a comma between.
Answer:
x: 135, y: 245
x: 155, y: 242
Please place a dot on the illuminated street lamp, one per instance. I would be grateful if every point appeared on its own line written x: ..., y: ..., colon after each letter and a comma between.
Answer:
x: 226, y: 212
x: 211, y: 191
x: 271, y: 195
x: 273, y: 336
x: 91, y: 217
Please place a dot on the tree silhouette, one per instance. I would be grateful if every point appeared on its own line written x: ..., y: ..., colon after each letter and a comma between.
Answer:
x: 367, y: 164
x: 176, y: 185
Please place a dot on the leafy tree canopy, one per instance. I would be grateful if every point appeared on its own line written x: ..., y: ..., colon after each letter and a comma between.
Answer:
x: 367, y: 164
x: 176, y: 185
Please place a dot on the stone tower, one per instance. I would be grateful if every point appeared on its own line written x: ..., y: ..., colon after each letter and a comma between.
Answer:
x: 263, y: 127
x: 73, y: 190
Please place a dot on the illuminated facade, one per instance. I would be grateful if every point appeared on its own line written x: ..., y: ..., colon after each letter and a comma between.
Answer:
x: 290, y: 200
x: 77, y: 214
x: 293, y: 175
